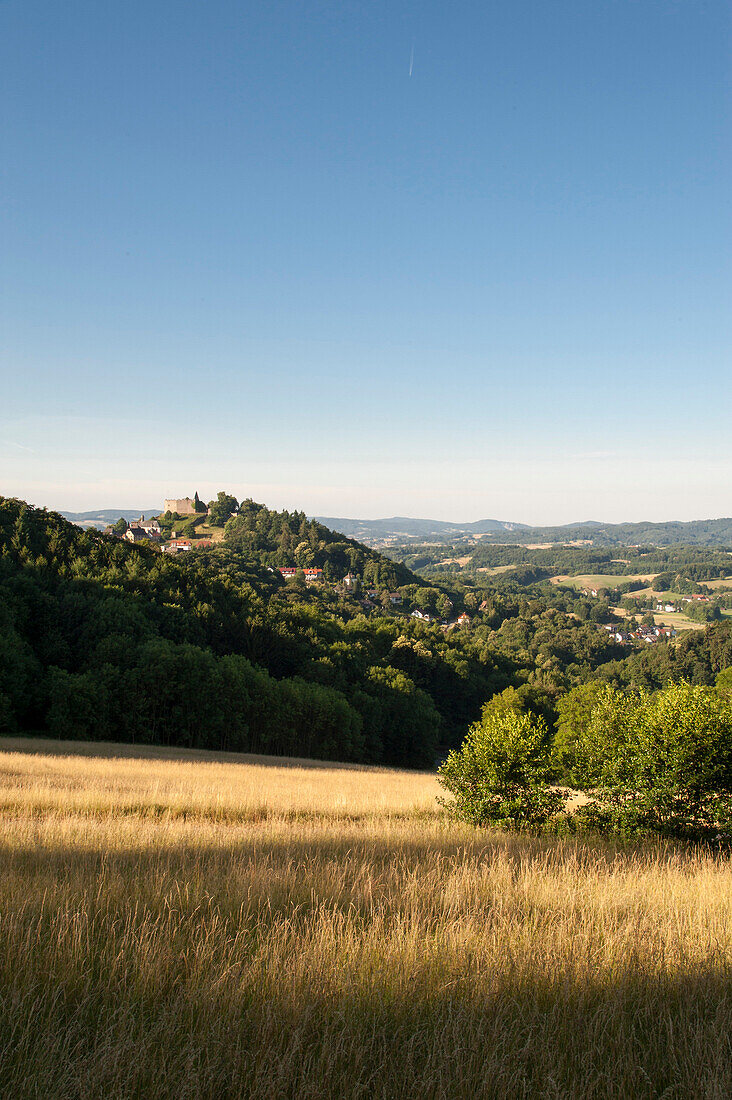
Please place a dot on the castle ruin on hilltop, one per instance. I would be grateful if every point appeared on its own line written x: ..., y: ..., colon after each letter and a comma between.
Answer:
x: 184, y: 507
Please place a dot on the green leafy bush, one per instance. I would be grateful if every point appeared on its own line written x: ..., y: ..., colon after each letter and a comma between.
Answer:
x: 574, y: 712
x: 661, y: 762
x: 497, y: 776
x: 723, y: 682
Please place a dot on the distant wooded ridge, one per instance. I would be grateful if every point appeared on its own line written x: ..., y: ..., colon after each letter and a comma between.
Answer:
x: 705, y: 532
x: 101, y: 517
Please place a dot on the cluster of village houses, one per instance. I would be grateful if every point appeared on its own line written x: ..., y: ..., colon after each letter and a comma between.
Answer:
x: 151, y: 531
x: 651, y: 634
x: 352, y: 584
x: 648, y: 634
x: 661, y: 605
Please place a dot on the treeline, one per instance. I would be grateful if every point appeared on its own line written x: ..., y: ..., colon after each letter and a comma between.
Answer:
x: 553, y: 640
x: 711, y: 533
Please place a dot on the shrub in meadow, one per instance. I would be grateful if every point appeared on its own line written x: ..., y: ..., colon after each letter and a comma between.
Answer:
x: 660, y: 762
x: 498, y: 775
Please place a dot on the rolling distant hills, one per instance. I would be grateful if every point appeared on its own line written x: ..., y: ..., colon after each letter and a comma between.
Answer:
x: 707, y: 532
x: 104, y: 516
x: 401, y: 527
x: 378, y: 532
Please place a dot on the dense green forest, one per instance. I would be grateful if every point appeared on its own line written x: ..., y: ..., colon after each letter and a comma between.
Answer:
x: 691, y: 562
x: 106, y: 640
x: 102, y: 639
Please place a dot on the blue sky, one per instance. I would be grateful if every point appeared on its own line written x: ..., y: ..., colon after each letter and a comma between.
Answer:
x: 243, y: 248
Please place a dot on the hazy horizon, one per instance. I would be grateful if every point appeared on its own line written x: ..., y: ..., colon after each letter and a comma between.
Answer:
x: 134, y: 504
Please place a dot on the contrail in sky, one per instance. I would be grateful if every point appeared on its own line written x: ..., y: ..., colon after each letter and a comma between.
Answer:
x: 20, y: 446
x: 411, y: 61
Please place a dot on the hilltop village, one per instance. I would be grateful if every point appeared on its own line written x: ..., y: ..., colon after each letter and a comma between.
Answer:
x: 188, y: 525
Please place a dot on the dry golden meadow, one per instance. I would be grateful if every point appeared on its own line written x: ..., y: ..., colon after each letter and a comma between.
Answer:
x: 187, y: 926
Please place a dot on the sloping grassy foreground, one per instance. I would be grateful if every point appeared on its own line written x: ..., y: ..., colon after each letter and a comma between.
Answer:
x: 264, y: 945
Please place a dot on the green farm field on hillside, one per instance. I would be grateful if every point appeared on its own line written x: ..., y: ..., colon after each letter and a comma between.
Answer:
x: 677, y: 619
x: 180, y: 925
x: 601, y: 580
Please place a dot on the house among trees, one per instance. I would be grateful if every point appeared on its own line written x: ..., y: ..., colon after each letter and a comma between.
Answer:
x: 178, y: 545
x: 135, y: 533
x: 463, y: 619
x: 152, y: 527
x: 142, y: 528
x: 312, y: 576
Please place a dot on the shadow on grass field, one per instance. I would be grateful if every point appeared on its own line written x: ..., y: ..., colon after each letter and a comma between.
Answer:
x: 389, y: 956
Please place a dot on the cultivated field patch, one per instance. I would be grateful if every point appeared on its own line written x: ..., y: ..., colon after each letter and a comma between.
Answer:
x: 719, y: 583
x: 600, y: 580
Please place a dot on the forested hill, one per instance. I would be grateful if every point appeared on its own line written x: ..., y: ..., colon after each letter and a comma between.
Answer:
x: 709, y: 532
x: 290, y: 538
x: 102, y: 639
x: 702, y: 532
x: 373, y: 530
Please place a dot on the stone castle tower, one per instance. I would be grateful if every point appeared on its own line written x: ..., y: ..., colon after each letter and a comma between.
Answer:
x: 184, y: 507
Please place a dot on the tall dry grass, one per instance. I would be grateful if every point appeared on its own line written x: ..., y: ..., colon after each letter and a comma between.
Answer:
x: 94, y: 779
x: 219, y: 951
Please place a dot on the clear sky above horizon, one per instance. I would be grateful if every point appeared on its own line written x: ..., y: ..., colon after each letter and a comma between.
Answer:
x: 368, y: 258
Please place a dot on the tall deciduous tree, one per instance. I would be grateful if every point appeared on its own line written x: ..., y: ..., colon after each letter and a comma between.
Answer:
x: 221, y: 509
